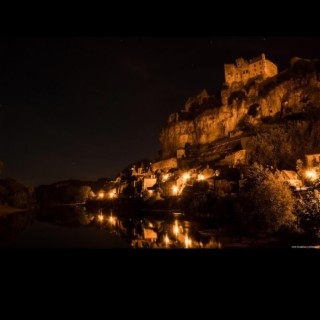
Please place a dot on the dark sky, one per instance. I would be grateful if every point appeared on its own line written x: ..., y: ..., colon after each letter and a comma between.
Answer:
x: 85, y: 108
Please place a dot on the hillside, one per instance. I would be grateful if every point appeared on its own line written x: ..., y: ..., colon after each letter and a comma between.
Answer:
x: 289, y: 101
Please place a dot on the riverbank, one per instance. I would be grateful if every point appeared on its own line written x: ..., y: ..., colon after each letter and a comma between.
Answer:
x: 5, y: 210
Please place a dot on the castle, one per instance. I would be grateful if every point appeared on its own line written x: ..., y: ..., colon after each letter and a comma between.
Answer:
x: 243, y: 70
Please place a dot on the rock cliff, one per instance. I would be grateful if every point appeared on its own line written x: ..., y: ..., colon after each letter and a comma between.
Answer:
x: 208, y: 118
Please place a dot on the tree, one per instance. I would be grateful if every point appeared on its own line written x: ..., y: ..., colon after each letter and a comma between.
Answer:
x: 307, y: 208
x: 280, y: 145
x: 266, y: 206
x: 15, y: 193
x: 84, y: 194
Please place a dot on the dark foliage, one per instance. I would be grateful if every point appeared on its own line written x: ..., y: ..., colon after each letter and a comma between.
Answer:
x: 253, y: 110
x: 265, y: 207
x: 14, y: 193
x: 280, y: 145
x: 307, y: 209
x: 237, y: 95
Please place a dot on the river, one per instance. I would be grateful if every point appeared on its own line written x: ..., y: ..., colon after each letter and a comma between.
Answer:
x: 75, y: 227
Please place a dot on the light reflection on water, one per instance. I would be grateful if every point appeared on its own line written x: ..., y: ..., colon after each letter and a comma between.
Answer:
x: 139, y: 231
x: 151, y: 232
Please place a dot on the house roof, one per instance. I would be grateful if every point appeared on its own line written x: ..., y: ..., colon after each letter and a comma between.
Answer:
x: 150, y: 171
x: 290, y: 175
x: 312, y: 155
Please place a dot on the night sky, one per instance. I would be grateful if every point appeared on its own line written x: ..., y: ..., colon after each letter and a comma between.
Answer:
x: 85, y: 108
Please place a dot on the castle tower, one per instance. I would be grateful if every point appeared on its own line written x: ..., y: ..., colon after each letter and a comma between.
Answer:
x: 243, y: 70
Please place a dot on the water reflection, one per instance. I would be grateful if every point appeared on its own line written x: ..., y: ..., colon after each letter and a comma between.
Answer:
x: 12, y: 224
x: 139, y: 231
x: 151, y: 232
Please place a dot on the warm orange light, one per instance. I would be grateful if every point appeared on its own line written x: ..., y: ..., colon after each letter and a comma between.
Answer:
x: 311, y: 175
x: 166, y: 240
x: 112, y: 195
x: 150, y: 191
x: 187, y: 242
x: 175, y: 190
x: 101, y: 195
x: 111, y: 219
x: 186, y: 176
x: 176, y: 228
x: 200, y: 177
x: 165, y: 177
x: 100, y: 217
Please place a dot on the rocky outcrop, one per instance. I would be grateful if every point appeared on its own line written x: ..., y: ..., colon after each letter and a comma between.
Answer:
x: 291, y: 92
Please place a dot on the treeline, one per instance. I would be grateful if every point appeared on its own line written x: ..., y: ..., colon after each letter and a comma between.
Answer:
x: 264, y: 207
x: 14, y: 193
x: 281, y: 145
x: 68, y: 192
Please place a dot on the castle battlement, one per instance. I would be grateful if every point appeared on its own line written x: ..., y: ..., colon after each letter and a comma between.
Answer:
x: 244, y: 70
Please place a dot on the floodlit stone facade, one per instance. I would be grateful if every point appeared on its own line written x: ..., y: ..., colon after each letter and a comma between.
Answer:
x: 243, y: 70
x: 165, y: 164
x: 312, y: 159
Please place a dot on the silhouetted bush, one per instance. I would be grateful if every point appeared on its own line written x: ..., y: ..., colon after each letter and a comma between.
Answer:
x: 266, y: 206
x: 15, y: 194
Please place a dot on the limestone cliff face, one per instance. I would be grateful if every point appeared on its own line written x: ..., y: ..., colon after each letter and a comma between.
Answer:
x: 290, y: 92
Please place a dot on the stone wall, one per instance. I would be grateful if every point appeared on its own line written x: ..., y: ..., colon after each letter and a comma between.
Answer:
x: 165, y: 164
x: 244, y: 70
x: 148, y: 183
x: 198, y: 99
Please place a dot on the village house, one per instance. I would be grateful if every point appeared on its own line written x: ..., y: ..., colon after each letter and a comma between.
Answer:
x: 312, y: 159
x: 292, y: 178
x: 181, y: 153
x: 149, y: 179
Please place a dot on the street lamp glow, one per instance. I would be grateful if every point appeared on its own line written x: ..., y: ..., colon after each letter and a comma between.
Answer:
x: 186, y: 176
x: 165, y: 177
x: 101, y: 195
x: 200, y: 177
x: 175, y: 190
x: 112, y: 195
x: 311, y: 175
x: 100, y: 217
